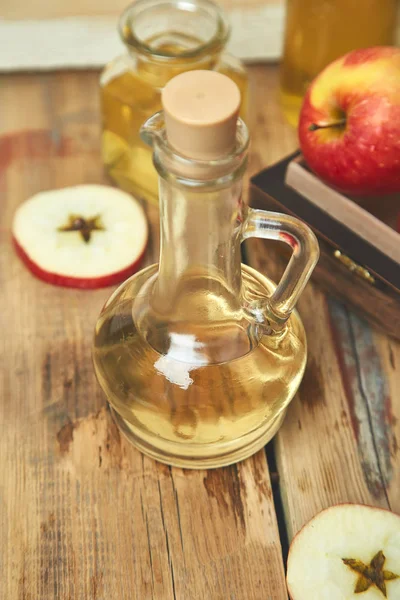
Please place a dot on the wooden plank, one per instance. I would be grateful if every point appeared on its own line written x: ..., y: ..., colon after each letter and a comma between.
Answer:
x: 84, y: 515
x: 339, y: 441
x: 389, y: 357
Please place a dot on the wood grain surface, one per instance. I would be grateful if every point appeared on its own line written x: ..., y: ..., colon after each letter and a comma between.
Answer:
x: 83, y: 514
x: 340, y: 440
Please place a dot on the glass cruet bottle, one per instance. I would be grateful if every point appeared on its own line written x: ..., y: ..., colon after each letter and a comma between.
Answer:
x: 200, y: 355
x: 162, y: 38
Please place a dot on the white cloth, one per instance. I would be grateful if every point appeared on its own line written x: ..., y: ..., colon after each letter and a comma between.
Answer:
x: 90, y: 42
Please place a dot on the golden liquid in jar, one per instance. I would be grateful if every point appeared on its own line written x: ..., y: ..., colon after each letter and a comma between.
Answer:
x: 200, y: 413
x: 131, y: 97
x: 319, y: 31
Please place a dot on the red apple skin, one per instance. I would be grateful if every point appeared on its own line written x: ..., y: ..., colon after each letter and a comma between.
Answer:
x: 363, y: 158
x: 78, y: 282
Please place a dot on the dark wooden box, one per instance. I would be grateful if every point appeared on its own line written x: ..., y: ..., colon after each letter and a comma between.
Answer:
x: 360, y: 251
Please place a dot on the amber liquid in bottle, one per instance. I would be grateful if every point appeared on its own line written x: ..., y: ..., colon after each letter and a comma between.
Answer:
x: 228, y: 397
x: 319, y: 31
x: 130, y: 97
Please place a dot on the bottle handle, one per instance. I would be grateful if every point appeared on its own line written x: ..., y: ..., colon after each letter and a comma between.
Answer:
x: 276, y: 309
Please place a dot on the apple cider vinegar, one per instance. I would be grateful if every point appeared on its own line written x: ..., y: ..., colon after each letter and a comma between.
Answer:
x: 220, y: 387
x: 319, y: 31
x: 164, y: 38
x: 199, y: 356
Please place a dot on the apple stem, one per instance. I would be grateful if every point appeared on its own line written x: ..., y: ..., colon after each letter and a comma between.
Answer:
x: 315, y: 126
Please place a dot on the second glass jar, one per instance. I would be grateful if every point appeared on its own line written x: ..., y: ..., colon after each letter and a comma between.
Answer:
x: 163, y: 38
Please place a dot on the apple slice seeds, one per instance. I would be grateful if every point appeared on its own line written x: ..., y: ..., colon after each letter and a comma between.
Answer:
x: 346, y: 552
x: 86, y: 236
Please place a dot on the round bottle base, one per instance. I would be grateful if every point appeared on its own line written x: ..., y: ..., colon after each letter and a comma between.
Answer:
x: 182, y: 412
x: 219, y: 457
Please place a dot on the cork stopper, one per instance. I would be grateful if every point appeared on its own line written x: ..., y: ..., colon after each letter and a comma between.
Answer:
x: 201, y: 109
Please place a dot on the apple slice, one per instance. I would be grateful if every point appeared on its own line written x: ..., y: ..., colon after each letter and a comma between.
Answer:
x: 346, y: 552
x: 88, y: 236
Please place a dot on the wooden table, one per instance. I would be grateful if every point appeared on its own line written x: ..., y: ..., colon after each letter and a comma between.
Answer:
x: 83, y: 514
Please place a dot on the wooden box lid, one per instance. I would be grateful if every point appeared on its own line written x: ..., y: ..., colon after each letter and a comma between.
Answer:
x: 360, y: 253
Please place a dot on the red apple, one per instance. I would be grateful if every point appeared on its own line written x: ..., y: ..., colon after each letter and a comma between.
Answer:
x: 349, y: 127
x: 87, y: 236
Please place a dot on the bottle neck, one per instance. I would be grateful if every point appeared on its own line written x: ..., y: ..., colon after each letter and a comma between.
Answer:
x: 200, y: 246
x: 168, y: 37
x: 194, y: 303
x: 199, y: 278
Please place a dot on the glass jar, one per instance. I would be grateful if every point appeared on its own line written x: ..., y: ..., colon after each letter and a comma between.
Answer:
x: 163, y: 38
x: 200, y: 355
x: 319, y: 31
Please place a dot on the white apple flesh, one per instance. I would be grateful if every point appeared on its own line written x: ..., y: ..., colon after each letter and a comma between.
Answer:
x: 49, y: 232
x: 346, y: 552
